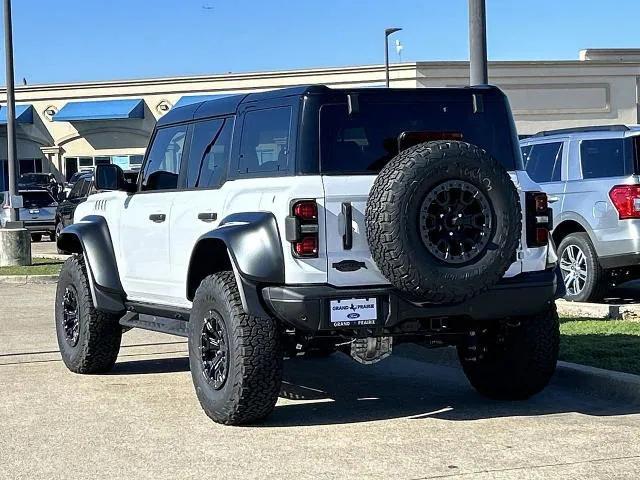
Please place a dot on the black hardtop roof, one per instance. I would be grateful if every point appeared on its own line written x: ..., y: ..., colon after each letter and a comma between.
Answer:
x: 227, y: 105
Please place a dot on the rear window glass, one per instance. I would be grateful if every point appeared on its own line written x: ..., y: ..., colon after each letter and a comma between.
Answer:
x: 37, y: 200
x: 611, y: 157
x: 362, y: 143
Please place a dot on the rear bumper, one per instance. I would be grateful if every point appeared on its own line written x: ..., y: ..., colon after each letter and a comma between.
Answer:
x: 306, y: 308
x: 40, y: 226
x: 620, y: 261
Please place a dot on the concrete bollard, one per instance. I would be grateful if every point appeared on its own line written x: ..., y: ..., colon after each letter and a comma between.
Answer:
x: 15, y: 247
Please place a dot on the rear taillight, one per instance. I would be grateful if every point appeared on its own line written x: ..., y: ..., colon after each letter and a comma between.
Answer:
x: 302, y: 229
x: 539, y: 219
x: 626, y: 199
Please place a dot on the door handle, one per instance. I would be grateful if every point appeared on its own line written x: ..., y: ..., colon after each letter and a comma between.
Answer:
x: 347, y: 236
x: 552, y: 199
x: 157, y: 217
x: 208, y: 216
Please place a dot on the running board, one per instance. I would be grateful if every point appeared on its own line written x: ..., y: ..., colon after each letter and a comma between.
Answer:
x: 155, y: 323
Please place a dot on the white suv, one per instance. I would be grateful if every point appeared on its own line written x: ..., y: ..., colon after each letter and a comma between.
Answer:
x: 308, y: 220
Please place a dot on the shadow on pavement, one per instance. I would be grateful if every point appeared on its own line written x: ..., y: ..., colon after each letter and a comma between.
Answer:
x: 337, y: 390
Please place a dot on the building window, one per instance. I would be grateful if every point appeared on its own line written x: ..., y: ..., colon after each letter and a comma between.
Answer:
x: 126, y: 162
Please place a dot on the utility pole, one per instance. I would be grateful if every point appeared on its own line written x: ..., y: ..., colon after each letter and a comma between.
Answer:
x: 11, y: 109
x: 478, y: 43
x: 15, y: 241
x: 388, y: 32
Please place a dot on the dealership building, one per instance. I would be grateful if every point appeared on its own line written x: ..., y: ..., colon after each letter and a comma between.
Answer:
x: 63, y: 128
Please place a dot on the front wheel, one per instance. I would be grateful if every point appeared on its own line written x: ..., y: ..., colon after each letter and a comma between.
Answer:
x: 235, y: 358
x: 89, y: 340
x: 516, y: 360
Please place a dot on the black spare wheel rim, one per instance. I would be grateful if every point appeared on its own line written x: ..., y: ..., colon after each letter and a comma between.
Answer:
x: 214, y: 350
x: 456, y: 221
x: 70, y: 315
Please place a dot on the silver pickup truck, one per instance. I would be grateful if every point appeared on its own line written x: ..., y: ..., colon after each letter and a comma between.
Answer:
x: 38, y: 212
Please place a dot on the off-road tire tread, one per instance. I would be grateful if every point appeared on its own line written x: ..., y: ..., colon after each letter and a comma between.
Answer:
x: 525, y: 366
x: 102, y: 332
x: 383, y: 232
x: 257, y: 372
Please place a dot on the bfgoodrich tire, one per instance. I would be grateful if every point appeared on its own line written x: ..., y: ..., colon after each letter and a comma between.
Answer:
x: 519, y: 359
x: 89, y: 340
x: 443, y: 221
x: 235, y: 358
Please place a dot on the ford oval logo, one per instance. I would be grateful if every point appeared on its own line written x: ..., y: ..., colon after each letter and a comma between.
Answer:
x: 353, y: 316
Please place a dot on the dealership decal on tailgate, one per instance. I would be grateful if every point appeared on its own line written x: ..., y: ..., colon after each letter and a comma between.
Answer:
x: 354, y: 311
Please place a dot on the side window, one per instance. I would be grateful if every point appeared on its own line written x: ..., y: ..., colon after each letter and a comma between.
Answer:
x: 84, y: 191
x: 76, y: 190
x: 209, y: 153
x: 265, y: 140
x: 163, y: 163
x: 605, y: 158
x: 543, y: 162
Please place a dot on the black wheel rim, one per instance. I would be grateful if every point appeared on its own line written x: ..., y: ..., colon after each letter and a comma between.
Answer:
x: 70, y: 315
x: 456, y: 222
x: 214, y: 350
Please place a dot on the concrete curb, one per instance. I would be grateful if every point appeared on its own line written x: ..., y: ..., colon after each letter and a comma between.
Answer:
x: 599, y: 311
x: 598, y: 381
x: 52, y: 256
x: 27, y: 279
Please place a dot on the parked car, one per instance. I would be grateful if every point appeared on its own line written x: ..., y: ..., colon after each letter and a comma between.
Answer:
x: 48, y: 181
x: 38, y: 212
x: 74, y: 178
x: 82, y: 188
x: 591, y: 177
x: 313, y: 219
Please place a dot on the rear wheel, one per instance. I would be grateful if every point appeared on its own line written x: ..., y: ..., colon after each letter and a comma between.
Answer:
x: 584, y: 278
x: 516, y: 360
x: 235, y: 358
x: 36, y: 237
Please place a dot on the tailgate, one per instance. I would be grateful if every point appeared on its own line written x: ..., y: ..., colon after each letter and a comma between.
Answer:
x: 348, y: 266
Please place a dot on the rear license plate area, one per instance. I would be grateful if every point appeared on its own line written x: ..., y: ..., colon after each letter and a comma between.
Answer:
x: 353, y: 312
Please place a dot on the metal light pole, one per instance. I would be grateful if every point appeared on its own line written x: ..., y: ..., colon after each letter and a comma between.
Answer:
x: 388, y: 32
x: 478, y: 43
x: 11, y: 108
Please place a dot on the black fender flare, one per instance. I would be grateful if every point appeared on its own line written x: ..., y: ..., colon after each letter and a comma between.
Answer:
x: 254, y: 246
x: 91, y: 237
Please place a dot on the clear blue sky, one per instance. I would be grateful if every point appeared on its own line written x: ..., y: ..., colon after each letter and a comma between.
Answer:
x: 75, y: 40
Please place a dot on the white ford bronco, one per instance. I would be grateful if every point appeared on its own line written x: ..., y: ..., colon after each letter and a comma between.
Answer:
x: 310, y: 220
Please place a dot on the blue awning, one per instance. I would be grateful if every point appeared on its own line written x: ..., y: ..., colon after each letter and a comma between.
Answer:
x: 24, y: 114
x: 191, y: 99
x: 100, y: 110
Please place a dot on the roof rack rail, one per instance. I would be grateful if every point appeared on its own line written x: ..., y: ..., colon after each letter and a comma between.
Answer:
x: 594, y: 128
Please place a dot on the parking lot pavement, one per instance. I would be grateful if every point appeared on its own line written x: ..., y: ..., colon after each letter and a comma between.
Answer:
x: 403, y: 418
x: 44, y: 247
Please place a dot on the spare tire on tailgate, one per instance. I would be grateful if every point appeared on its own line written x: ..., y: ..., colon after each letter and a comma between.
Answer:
x: 443, y: 221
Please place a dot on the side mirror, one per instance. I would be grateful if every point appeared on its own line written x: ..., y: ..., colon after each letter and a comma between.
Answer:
x: 111, y: 177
